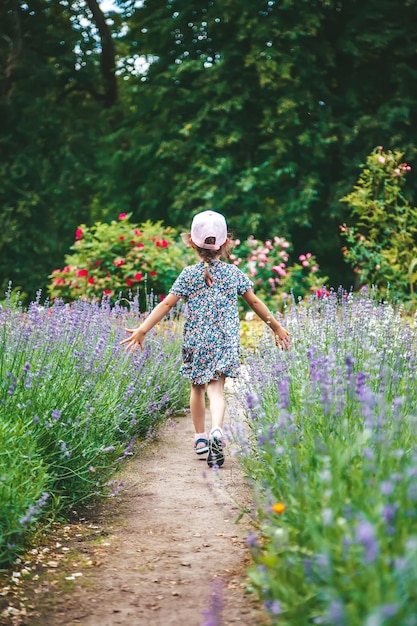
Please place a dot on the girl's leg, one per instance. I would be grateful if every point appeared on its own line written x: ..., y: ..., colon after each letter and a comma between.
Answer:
x: 215, y: 392
x: 198, y: 407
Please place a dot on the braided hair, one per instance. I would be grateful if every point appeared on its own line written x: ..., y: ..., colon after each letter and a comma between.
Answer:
x: 208, y: 255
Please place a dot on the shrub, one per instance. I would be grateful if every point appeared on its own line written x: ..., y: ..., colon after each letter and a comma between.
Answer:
x: 332, y: 459
x: 381, y: 242
x: 266, y: 263
x: 119, y: 258
x: 74, y: 404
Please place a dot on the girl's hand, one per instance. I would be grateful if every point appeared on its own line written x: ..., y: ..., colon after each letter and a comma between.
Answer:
x: 282, y: 338
x: 136, y: 338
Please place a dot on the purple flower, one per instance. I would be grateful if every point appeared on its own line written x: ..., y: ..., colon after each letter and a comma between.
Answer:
x: 388, y: 512
x: 212, y: 615
x: 389, y: 610
x: 252, y: 540
x: 365, y: 535
x: 336, y: 613
x: 56, y: 414
x: 273, y: 607
x: 34, y: 510
x: 387, y: 487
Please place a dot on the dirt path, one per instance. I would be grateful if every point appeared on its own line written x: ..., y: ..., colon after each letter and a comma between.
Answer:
x: 168, y: 550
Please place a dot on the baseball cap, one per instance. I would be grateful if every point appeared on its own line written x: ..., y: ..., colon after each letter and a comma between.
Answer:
x: 209, y: 224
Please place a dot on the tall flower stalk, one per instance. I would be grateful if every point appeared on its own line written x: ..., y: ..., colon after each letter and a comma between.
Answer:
x: 75, y: 405
x: 332, y: 456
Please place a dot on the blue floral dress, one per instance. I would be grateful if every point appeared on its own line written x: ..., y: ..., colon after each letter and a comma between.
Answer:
x: 211, y: 332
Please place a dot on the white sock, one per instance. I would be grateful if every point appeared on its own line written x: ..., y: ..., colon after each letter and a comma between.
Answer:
x: 216, y: 429
x: 200, y: 436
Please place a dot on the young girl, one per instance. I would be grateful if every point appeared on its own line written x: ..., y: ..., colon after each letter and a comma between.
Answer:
x: 211, y: 348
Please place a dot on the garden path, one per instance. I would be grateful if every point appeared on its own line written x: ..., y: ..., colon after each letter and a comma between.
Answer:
x: 167, y: 550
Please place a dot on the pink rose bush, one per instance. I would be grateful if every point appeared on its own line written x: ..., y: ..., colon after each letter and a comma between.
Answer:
x: 274, y: 278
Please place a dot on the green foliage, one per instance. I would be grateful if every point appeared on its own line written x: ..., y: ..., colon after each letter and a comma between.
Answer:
x: 73, y: 405
x: 332, y: 459
x: 266, y: 263
x: 119, y: 258
x: 51, y: 118
x: 382, y: 242
x: 23, y: 480
x: 261, y: 110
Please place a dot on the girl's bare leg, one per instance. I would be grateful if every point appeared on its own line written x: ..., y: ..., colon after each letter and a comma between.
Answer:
x: 215, y: 392
x: 198, y: 407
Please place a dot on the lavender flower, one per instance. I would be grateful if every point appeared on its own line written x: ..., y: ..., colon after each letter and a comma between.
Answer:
x: 365, y: 535
x: 56, y: 414
x: 34, y: 510
x: 212, y: 615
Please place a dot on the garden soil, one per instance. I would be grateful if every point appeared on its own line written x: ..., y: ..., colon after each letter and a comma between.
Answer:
x: 169, y: 549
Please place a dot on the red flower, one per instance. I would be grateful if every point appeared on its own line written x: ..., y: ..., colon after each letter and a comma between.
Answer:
x: 107, y: 292
x: 82, y: 273
x: 121, y: 237
x: 162, y: 244
x: 78, y: 233
x: 140, y: 245
x: 153, y: 273
x: 138, y: 276
x: 118, y: 262
x: 91, y: 280
x: 129, y: 282
x: 137, y: 232
x: 122, y: 216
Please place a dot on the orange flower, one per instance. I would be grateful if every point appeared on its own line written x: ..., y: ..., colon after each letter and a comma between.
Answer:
x: 278, y: 507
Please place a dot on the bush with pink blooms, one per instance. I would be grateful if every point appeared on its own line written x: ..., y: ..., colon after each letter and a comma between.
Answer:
x: 275, y: 279
x: 119, y: 258
x: 381, y: 236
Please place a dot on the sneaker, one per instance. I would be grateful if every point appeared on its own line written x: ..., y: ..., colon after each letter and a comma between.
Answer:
x: 216, y: 454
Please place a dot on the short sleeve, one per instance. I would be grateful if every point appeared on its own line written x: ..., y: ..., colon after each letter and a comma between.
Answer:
x: 243, y: 283
x: 180, y: 286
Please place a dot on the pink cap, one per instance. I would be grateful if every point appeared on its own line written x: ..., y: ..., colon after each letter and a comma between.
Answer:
x: 209, y: 224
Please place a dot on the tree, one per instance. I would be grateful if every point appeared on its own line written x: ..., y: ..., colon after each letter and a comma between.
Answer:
x: 55, y: 87
x: 264, y: 110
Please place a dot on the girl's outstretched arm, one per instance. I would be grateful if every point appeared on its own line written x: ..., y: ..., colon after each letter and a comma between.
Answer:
x: 137, y: 335
x: 282, y: 336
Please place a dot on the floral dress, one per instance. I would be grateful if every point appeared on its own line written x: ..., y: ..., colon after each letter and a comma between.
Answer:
x: 211, y: 332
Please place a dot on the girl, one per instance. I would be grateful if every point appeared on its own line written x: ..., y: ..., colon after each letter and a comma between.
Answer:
x: 211, y: 349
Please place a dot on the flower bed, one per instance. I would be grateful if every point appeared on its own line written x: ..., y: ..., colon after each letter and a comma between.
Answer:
x: 332, y: 455
x: 74, y: 405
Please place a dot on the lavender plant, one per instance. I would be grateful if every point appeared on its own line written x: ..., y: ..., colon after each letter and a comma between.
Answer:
x: 332, y: 455
x: 74, y: 405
